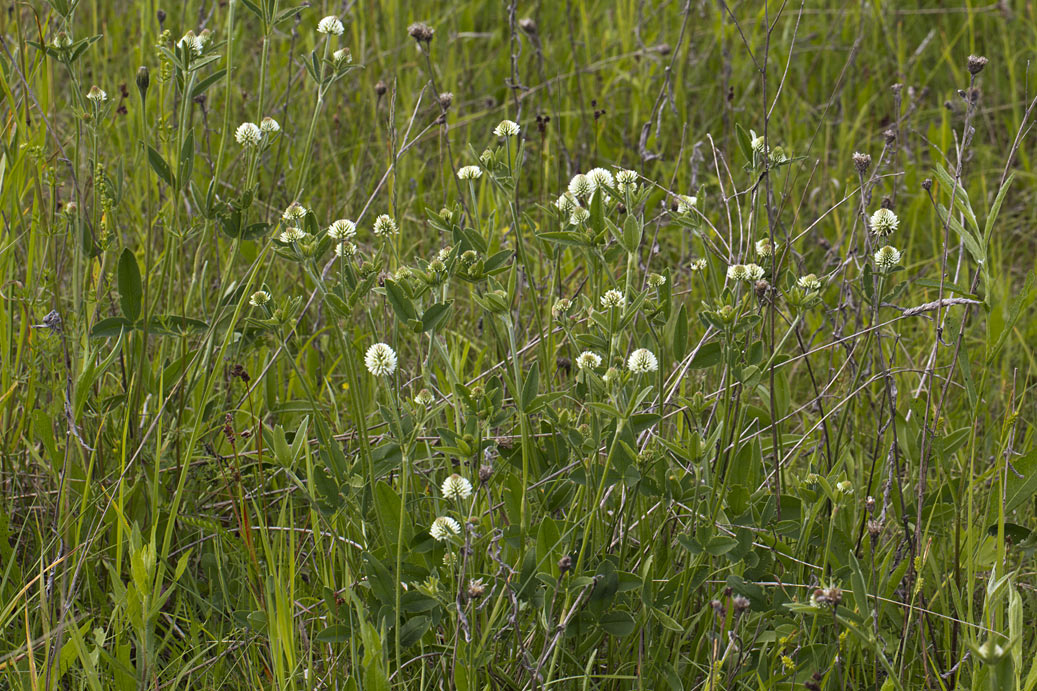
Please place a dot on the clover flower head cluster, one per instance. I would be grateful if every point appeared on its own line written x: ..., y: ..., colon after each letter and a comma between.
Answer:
x: 380, y: 360
x: 330, y: 25
x: 588, y: 359
x: 642, y: 361
x: 342, y: 229
x: 444, y: 527
x: 469, y: 173
x: 886, y: 258
x: 506, y: 129
x: 456, y: 487
x: 883, y: 222
x: 384, y: 226
x: 613, y: 298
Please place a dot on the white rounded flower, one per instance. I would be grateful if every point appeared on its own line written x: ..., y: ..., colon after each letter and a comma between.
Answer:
x: 345, y: 249
x: 192, y: 43
x: 506, y: 128
x: 757, y: 143
x: 685, y: 203
x: 294, y: 212
x: 886, y: 258
x: 384, y: 225
x: 613, y: 298
x: 456, y: 487
x: 566, y: 203
x: 579, y: 216
x: 269, y: 126
x: 469, y: 173
x: 642, y: 361
x: 444, y: 527
x: 754, y: 272
x: 809, y: 282
x: 737, y: 272
x: 97, y: 94
x: 342, y: 55
x: 292, y: 234
x: 424, y: 398
x: 248, y: 134
x: 380, y: 360
x: 626, y: 181
x: 330, y: 25
x: 698, y: 264
x: 764, y: 248
x: 580, y: 186
x: 259, y: 298
x: 600, y: 178
x: 884, y: 222
x: 342, y: 229
x: 588, y: 359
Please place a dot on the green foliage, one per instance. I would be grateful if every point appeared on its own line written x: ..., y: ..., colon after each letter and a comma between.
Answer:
x: 315, y: 373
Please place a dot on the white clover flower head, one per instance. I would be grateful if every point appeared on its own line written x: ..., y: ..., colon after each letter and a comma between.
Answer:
x: 191, y: 43
x: 97, y: 94
x: 757, y: 144
x: 456, y: 487
x: 737, y: 272
x: 764, y: 248
x: 845, y: 487
x: 642, y: 361
x: 685, y: 203
x: 613, y: 298
x: 883, y: 222
x: 469, y: 173
x: 269, y: 126
x: 294, y: 212
x: 204, y: 35
x: 259, y: 298
x: 588, y: 359
x: 425, y: 398
x: 600, y: 179
x: 656, y: 280
x: 886, y: 258
x: 698, y: 264
x: 61, y: 40
x: 345, y: 249
x: 384, y: 226
x: 292, y: 234
x: 579, y: 216
x: 444, y: 253
x: 580, y: 186
x: 809, y: 282
x: 566, y: 203
x: 561, y: 307
x: 380, y: 360
x: 342, y: 229
x: 330, y: 25
x: 626, y: 181
x: 444, y: 528
x: 506, y: 129
x: 248, y: 134
x: 754, y: 272
x: 342, y: 55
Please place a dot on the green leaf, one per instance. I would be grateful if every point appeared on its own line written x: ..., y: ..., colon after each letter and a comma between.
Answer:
x: 413, y: 630
x: 113, y: 326
x: 708, y: 355
x: 401, y: 304
x: 680, y: 334
x: 203, y: 84
x: 129, y: 285
x: 530, y: 387
x: 434, y: 315
x: 617, y: 623
x: 337, y: 633
x: 1019, y: 490
x: 159, y: 165
x: 995, y: 209
x: 186, y: 160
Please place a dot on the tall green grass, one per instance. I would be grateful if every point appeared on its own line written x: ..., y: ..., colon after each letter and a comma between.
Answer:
x: 205, y: 482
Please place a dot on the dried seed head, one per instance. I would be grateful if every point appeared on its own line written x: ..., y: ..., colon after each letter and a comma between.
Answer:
x: 565, y: 563
x: 380, y: 88
x: 874, y: 528
x: 741, y: 603
x: 976, y: 64
x: 861, y: 162
x: 896, y: 88
x: 869, y: 504
x: 446, y: 99
x: 528, y: 25
x: 421, y: 32
x: 890, y: 135
x: 927, y: 184
x: 485, y: 473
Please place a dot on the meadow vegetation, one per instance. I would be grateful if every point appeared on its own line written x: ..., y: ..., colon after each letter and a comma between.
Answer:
x: 644, y: 344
